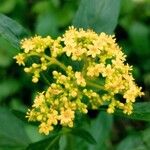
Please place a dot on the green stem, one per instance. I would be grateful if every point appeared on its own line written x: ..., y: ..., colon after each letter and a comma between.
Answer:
x: 92, y: 84
x: 45, y: 79
x: 55, y: 61
x: 85, y: 66
x: 61, y: 65
x: 52, y: 61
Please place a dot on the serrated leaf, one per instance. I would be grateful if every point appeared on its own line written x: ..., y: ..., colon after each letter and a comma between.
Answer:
x: 46, y: 144
x: 83, y: 134
x: 12, y: 133
x: 11, y: 30
x: 99, y: 15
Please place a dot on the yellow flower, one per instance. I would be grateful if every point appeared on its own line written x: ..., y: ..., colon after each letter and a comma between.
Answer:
x: 80, y: 79
x: 78, y: 53
x: 56, y: 48
x: 110, y: 110
x: 128, y: 108
x: 66, y: 117
x: 39, y: 100
x: 93, y: 51
x: 20, y: 59
x: 27, y: 45
x: 108, y: 71
x: 45, y: 128
x: 52, y: 117
x: 95, y: 70
x: 35, y: 79
x: 54, y: 89
x: 132, y: 93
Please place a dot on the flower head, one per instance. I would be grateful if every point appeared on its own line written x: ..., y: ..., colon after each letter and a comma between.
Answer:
x: 92, y: 72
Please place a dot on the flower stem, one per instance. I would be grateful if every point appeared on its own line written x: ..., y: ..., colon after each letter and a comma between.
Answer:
x: 57, y: 62
x: 92, y: 84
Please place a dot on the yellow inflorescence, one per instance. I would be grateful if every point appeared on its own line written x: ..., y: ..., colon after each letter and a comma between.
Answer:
x: 103, y: 78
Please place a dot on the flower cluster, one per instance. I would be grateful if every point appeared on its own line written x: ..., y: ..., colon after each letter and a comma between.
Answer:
x: 103, y: 78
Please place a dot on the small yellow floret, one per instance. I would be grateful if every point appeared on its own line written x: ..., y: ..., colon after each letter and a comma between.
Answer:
x: 35, y: 79
x: 66, y: 117
x: 27, y: 45
x: 80, y: 79
x: 20, y: 59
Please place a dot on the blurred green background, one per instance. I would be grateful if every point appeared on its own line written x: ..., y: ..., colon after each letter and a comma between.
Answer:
x: 52, y: 17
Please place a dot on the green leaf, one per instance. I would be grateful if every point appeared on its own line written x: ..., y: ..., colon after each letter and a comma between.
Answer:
x: 33, y: 133
x: 101, y: 128
x: 141, y: 111
x: 12, y: 133
x: 46, y: 144
x: 11, y: 30
x: 99, y: 15
x: 22, y: 116
x: 47, y: 24
x: 83, y: 134
x: 5, y: 61
x: 7, y: 51
x: 138, y: 141
x: 8, y: 88
x: 146, y: 137
x: 41, y: 6
x: 139, y: 36
x: 133, y: 142
x: 7, y: 6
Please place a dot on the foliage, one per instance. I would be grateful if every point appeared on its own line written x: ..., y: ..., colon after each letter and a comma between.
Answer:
x: 52, y: 17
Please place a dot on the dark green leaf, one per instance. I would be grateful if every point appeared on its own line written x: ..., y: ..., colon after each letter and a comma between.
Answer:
x: 12, y: 133
x: 22, y: 116
x: 146, y: 137
x: 8, y: 87
x: 83, y: 134
x: 133, y: 142
x: 11, y: 30
x: 47, y: 25
x: 138, y: 32
x: 101, y: 128
x: 99, y: 15
x: 141, y: 111
x: 6, y: 53
x: 5, y: 61
x: 46, y: 144
x: 138, y: 141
